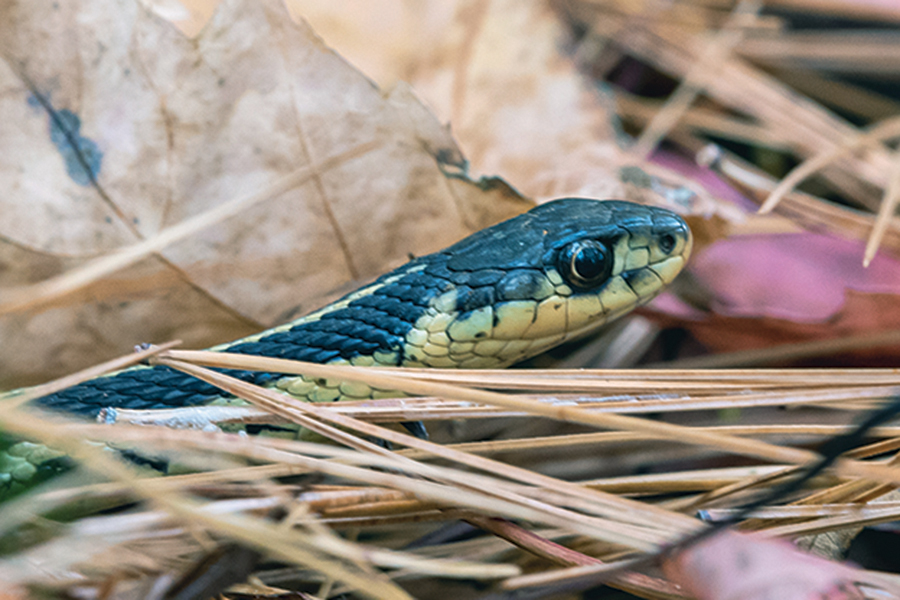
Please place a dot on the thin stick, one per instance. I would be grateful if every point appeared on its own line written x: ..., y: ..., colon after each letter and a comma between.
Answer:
x: 743, y: 446
x: 712, y: 59
x: 603, y: 504
x: 887, y: 129
x: 886, y: 211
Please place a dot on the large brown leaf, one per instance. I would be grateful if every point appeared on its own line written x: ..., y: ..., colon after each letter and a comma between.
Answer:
x: 118, y: 126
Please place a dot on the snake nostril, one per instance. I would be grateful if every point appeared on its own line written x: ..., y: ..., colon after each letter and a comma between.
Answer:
x: 667, y: 243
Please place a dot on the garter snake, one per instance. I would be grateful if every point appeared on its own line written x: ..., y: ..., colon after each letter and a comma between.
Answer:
x: 502, y: 295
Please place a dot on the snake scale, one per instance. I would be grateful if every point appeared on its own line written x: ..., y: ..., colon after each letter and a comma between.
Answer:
x: 502, y: 295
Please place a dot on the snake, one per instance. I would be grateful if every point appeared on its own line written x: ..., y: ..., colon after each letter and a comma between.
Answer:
x: 500, y: 296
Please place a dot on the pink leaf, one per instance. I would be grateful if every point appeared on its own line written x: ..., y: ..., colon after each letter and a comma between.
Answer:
x: 734, y: 566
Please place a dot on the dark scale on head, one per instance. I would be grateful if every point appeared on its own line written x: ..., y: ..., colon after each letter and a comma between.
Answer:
x: 469, y: 299
x: 634, y: 278
x: 520, y: 284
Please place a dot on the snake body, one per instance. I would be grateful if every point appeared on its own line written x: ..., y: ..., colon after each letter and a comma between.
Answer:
x: 502, y: 295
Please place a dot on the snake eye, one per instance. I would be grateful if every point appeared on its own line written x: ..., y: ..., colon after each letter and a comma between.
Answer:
x: 585, y: 263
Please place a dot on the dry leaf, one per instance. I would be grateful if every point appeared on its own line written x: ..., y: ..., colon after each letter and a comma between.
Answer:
x: 818, y: 291
x: 169, y: 127
x: 504, y: 76
x: 498, y: 73
x: 732, y: 566
x: 809, y: 286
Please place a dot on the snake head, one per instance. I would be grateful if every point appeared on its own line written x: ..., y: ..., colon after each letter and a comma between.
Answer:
x: 557, y: 272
